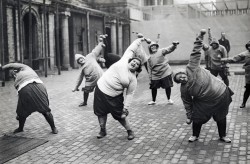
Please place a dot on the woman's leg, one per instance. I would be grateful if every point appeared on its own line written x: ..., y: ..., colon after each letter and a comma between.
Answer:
x: 154, y: 94
x: 85, y: 99
x: 49, y: 117
x: 21, y: 124
x: 102, y: 122
x: 196, y: 132
x: 246, y: 95
x: 168, y: 92
x: 224, y: 77
x: 222, y: 125
x: 196, y: 129
x: 124, y: 122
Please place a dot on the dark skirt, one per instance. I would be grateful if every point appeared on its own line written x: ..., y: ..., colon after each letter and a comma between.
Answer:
x: 104, y: 104
x: 88, y: 89
x: 166, y: 82
x: 33, y: 97
x: 204, y: 110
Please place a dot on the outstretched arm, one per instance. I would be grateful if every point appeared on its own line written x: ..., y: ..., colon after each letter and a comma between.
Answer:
x: 131, y: 50
x: 130, y: 93
x: 228, y: 46
x: 79, y: 81
x: 98, y: 48
x: 187, y: 101
x: 195, y: 56
x: 136, y: 49
x: 209, y: 36
x: 234, y: 59
x: 170, y: 48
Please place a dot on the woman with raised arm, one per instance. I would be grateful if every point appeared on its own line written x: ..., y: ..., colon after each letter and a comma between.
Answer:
x: 119, y: 80
x: 203, y: 95
x: 243, y: 56
x: 90, y: 69
x: 160, y: 72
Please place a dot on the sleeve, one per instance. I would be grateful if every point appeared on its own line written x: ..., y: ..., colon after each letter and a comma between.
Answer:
x: 209, y: 37
x: 229, y: 47
x: 238, y: 57
x: 224, y: 52
x: 207, y: 60
x: 79, y: 79
x: 130, y: 93
x: 195, y: 56
x: 131, y: 50
x: 168, y: 49
x: 97, y: 50
x: 14, y: 65
x: 187, y: 101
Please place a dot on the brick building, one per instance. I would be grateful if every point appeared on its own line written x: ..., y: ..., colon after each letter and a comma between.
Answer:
x: 45, y: 34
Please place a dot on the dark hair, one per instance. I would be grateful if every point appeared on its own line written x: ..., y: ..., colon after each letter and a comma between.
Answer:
x: 175, y: 79
x: 248, y: 44
x: 139, y: 69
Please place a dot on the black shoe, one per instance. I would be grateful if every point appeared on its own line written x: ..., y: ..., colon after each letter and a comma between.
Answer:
x: 130, y: 135
x: 192, y: 139
x: 225, y: 139
x: 18, y: 130
x: 243, y: 105
x: 54, y: 130
x: 102, y: 133
x: 83, y: 104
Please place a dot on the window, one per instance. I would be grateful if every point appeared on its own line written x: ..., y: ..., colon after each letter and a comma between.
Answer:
x: 149, y: 2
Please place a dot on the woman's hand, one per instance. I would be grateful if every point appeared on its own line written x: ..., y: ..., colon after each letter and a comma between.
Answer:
x: 124, y: 113
x: 76, y: 89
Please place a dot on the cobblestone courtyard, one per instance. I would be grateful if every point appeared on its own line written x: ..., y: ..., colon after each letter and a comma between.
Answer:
x: 161, y: 132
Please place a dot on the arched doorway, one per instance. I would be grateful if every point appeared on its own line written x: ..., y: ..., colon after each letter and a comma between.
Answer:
x: 30, y: 58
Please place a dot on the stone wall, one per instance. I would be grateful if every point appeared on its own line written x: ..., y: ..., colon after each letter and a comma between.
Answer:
x: 175, y: 27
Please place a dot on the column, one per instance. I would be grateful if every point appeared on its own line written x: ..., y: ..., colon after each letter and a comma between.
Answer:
x: 156, y: 3
x: 65, y: 40
x: 113, y: 37
x: 10, y: 34
x: 120, y: 36
x: 51, y: 45
x: 18, y: 46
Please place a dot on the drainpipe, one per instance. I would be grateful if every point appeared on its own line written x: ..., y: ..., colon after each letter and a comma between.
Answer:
x: 88, y: 33
x: 57, y: 42
x: 30, y: 35
x: 20, y: 32
x: 2, y: 76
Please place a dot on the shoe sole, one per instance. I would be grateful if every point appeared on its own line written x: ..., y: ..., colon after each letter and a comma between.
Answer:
x: 99, y: 137
x: 225, y: 141
x: 193, y: 140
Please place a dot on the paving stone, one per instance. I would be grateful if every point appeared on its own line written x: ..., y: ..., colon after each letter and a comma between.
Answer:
x: 161, y: 132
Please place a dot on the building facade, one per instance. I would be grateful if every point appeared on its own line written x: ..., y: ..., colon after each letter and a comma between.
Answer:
x: 46, y: 34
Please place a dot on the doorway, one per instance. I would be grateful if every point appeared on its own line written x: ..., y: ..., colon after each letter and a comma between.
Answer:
x: 30, y: 32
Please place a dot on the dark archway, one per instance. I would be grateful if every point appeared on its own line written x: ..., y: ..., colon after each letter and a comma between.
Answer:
x: 30, y: 60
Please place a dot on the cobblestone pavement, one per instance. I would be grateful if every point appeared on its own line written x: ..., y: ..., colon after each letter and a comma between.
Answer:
x: 161, y: 132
